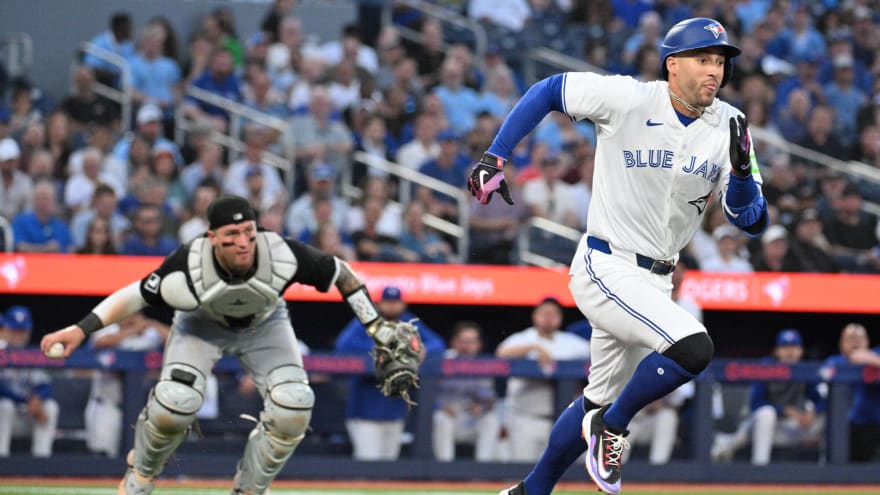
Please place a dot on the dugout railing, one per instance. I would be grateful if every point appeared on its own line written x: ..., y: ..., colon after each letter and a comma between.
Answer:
x: 419, y: 464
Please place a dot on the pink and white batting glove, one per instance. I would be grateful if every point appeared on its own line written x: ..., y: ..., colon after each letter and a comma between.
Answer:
x: 487, y: 176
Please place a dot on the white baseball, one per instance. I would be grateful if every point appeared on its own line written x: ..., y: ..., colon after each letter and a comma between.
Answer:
x: 56, y: 351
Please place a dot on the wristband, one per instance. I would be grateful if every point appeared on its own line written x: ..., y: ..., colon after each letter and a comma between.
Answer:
x: 492, y: 161
x: 90, y: 324
x: 362, y: 305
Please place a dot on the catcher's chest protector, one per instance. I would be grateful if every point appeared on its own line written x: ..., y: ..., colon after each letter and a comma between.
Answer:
x: 249, y: 302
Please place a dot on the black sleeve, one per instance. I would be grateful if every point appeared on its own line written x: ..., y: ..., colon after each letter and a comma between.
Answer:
x: 174, y: 262
x: 314, y: 267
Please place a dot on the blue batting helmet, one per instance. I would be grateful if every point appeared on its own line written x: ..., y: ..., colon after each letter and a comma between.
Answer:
x: 699, y: 32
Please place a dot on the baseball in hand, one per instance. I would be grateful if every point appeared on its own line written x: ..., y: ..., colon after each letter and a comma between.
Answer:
x: 56, y: 351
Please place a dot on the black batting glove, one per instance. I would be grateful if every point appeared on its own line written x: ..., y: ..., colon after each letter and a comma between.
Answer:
x: 740, y: 147
x: 487, y: 176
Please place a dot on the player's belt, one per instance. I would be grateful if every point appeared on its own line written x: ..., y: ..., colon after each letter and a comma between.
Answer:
x: 660, y: 267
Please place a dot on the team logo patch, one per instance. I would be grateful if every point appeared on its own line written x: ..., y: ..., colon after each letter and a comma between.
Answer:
x: 237, y: 216
x: 152, y: 283
x: 715, y: 28
x: 700, y: 203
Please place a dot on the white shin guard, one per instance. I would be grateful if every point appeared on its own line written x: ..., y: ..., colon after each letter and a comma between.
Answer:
x: 169, y: 412
x: 287, y: 410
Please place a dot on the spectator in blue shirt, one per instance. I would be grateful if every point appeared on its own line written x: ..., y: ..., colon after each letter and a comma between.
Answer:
x: 149, y: 127
x: 25, y: 394
x: 864, y: 414
x: 147, y: 238
x: 155, y: 77
x: 220, y: 79
x: 374, y: 422
x: 116, y: 40
x: 40, y: 230
x: 451, y: 166
x: 461, y: 103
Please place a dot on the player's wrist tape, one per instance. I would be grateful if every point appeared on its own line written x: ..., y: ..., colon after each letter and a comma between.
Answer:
x: 492, y: 161
x: 362, y: 305
x: 90, y: 324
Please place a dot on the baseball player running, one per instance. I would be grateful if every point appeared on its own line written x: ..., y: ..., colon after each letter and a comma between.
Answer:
x: 226, y: 287
x: 665, y: 150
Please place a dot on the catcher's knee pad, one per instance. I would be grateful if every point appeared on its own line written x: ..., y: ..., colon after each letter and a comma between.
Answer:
x: 170, y: 410
x: 287, y: 410
x: 693, y: 352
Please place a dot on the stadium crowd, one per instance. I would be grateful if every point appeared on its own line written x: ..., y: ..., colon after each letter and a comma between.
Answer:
x: 72, y: 182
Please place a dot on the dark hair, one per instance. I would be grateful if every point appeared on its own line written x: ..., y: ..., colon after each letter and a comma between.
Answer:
x: 463, y: 325
x: 90, y: 248
x: 120, y: 20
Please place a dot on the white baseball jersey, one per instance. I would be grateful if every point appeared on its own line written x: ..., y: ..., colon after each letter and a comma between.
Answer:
x: 654, y: 176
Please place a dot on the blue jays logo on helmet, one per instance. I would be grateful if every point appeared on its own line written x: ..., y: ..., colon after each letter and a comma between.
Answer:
x: 716, y: 28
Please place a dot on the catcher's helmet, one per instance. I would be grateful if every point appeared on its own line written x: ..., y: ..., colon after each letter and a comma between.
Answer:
x: 699, y: 32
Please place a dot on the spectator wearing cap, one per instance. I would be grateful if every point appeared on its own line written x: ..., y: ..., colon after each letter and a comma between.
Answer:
x: 41, y: 229
x: 321, y: 179
x: 26, y: 403
x: 155, y: 77
x: 165, y: 168
x: 16, y: 188
x: 116, y: 40
x: 809, y: 249
x: 783, y: 414
x: 845, y: 97
x: 864, y: 414
x: 529, y: 401
x: 774, y: 246
x: 451, y: 166
x: 149, y: 128
x: 374, y: 422
x: 728, y: 259
x: 853, y: 234
x: 236, y: 182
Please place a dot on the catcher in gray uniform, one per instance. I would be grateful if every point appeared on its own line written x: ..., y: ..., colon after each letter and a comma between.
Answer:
x: 226, y: 287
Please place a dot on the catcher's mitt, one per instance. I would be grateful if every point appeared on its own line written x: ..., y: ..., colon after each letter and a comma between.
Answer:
x: 397, y: 356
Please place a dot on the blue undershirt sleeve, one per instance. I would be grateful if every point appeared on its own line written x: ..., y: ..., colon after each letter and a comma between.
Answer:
x: 543, y: 97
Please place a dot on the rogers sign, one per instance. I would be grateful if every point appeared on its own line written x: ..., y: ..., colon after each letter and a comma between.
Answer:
x: 744, y: 372
x: 708, y: 289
